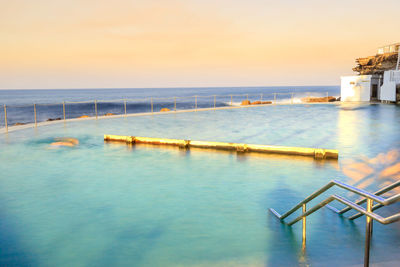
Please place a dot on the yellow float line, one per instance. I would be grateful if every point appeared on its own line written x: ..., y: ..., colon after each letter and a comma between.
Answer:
x: 317, y: 153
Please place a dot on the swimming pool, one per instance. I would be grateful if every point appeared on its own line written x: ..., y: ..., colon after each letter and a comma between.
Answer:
x: 107, y: 204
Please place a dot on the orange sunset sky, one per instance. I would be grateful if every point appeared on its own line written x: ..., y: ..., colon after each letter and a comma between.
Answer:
x: 172, y: 43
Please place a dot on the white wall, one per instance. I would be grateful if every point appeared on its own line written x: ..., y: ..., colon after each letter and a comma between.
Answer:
x: 388, y: 88
x: 355, y: 88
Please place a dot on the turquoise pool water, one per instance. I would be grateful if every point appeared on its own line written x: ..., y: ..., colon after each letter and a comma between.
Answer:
x: 108, y: 204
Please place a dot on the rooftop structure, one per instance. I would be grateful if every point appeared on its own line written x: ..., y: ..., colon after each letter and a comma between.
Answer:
x: 392, y: 48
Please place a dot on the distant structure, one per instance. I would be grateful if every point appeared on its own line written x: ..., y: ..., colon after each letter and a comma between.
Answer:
x: 393, y: 48
x: 378, y: 77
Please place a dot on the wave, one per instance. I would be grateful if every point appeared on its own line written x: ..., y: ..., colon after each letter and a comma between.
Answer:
x: 281, y: 100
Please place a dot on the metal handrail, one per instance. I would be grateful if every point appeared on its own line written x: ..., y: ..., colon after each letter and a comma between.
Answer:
x: 352, y: 205
x: 67, y: 105
x: 363, y: 200
x: 368, y: 211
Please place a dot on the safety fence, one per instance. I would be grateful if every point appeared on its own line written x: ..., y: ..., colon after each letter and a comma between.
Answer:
x: 15, y: 115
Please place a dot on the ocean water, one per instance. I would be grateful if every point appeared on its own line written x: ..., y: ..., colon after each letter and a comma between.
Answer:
x: 103, y: 204
x: 80, y: 102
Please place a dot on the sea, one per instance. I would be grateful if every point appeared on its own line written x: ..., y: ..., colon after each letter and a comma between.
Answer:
x: 53, y: 104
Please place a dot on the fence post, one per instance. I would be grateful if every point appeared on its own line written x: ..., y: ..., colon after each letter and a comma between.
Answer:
x: 215, y: 100
x: 368, y: 232
x: 175, y: 103
x: 231, y: 100
x: 125, y: 106
x: 304, y: 228
x: 261, y: 97
x: 95, y: 108
x: 151, y: 101
x: 34, y: 110
x: 247, y: 96
x: 5, y: 117
x: 64, y: 110
x: 274, y: 98
x: 195, y: 102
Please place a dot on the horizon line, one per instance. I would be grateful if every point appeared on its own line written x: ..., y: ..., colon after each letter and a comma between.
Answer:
x: 169, y: 87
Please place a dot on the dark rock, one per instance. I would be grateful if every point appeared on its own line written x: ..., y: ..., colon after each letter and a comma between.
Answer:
x: 56, y: 119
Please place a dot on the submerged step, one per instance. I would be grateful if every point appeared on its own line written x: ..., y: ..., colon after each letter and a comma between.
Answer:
x: 317, y: 153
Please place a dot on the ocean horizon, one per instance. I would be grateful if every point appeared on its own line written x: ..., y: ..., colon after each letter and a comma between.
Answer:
x: 31, y: 96
x: 21, y: 105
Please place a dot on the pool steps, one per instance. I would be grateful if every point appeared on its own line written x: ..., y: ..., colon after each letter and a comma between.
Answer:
x: 368, y: 211
x: 317, y: 153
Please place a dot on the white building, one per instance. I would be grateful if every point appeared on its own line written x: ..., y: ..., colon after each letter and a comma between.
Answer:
x: 363, y: 88
x: 390, y: 89
x: 359, y: 88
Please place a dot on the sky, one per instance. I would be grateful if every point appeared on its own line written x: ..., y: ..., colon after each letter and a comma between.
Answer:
x: 188, y: 43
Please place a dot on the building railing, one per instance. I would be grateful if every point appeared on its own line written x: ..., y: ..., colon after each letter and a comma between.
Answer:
x: 15, y: 115
x: 392, y: 48
x: 368, y: 211
x: 395, y: 76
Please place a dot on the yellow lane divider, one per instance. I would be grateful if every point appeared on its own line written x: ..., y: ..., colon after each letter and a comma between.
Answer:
x: 317, y: 153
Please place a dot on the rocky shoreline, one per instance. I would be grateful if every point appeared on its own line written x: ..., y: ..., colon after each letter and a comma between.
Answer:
x: 304, y: 100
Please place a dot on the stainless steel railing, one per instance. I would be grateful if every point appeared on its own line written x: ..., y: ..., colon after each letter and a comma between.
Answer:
x: 363, y: 200
x: 368, y: 211
x: 35, y: 113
